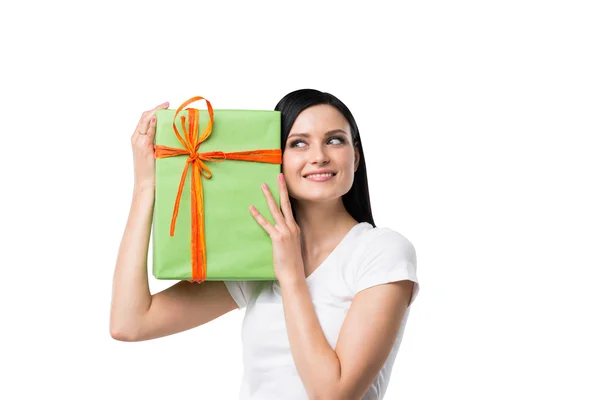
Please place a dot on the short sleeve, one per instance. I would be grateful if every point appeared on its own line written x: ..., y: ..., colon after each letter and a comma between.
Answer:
x: 242, y: 291
x: 388, y: 257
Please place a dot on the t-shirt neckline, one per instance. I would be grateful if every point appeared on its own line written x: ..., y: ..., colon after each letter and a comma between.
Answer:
x: 337, y: 248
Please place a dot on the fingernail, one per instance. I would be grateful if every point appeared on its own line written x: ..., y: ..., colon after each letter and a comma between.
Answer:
x: 281, y: 177
x: 153, y: 119
x: 252, y: 208
x: 166, y: 103
x: 264, y: 185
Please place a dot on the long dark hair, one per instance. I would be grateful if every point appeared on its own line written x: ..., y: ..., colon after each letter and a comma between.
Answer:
x: 356, y: 201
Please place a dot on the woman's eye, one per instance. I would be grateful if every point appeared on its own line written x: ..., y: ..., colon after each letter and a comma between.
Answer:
x: 295, y: 142
x: 338, y: 138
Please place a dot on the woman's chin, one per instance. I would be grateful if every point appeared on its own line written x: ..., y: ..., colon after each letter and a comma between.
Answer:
x: 317, y: 196
x: 317, y: 192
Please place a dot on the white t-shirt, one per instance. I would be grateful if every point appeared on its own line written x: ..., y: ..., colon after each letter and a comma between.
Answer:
x: 365, y: 257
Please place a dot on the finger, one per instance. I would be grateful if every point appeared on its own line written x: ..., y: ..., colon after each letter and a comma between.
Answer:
x: 275, y: 212
x: 262, y: 221
x: 284, y: 200
x: 151, y: 129
x: 144, y: 122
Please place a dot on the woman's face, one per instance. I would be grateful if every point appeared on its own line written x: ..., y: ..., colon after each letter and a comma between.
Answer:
x: 320, y: 140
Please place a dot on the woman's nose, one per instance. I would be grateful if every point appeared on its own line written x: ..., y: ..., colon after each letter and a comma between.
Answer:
x: 318, y: 155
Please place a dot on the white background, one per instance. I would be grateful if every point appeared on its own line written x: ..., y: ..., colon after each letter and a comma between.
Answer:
x: 479, y: 121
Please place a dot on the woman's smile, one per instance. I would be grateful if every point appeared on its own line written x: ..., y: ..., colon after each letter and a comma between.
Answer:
x: 320, y: 177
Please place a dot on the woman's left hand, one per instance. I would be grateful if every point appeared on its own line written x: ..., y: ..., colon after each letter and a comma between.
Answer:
x: 285, y: 235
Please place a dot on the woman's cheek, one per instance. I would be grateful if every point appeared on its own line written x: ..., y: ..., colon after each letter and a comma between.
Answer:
x: 289, y: 175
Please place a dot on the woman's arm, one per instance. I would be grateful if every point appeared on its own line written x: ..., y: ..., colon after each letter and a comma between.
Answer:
x: 365, y: 341
x: 131, y: 296
x: 135, y: 314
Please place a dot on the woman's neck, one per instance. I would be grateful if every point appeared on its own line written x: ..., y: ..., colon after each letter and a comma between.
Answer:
x: 322, y: 225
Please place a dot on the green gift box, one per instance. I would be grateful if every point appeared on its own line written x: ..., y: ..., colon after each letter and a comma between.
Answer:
x: 224, y: 156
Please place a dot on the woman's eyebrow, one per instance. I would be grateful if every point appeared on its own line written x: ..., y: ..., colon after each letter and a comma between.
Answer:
x: 328, y: 133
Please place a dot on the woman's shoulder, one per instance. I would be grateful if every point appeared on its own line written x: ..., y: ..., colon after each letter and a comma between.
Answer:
x: 382, y: 243
x: 384, y: 237
x: 382, y: 255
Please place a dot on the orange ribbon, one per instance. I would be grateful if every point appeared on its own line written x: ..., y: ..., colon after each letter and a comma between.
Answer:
x: 191, y: 145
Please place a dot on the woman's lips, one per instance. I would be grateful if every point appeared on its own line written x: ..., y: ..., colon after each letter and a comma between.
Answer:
x: 320, y: 177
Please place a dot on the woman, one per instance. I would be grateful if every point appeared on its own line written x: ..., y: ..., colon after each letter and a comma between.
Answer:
x: 330, y: 326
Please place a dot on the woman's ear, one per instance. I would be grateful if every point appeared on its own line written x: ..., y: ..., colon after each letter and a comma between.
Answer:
x: 356, y: 157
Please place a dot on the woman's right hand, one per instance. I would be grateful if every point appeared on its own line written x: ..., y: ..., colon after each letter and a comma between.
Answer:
x: 142, y: 143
